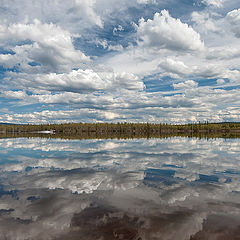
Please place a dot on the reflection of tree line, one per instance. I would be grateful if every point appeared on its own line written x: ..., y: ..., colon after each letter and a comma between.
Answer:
x: 123, y: 130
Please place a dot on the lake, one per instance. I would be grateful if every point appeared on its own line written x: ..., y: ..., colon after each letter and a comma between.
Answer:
x: 133, y: 189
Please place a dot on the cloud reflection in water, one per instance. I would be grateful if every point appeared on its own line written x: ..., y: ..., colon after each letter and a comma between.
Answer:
x: 175, y: 188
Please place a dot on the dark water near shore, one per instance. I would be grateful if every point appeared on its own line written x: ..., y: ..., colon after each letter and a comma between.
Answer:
x: 135, y: 189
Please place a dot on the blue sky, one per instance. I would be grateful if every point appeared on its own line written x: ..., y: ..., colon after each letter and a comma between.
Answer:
x: 107, y: 60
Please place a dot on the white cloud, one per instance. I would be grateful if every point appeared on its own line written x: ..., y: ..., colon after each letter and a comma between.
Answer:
x: 119, y: 28
x: 167, y: 32
x: 146, y: 1
x: 13, y: 94
x: 174, y: 66
x: 186, y: 85
x: 76, y: 80
x: 51, y: 61
x: 110, y: 115
x: 81, y: 81
x: 178, y: 69
x: 233, y: 19
x: 192, y: 102
x: 50, y: 46
x: 124, y: 80
x: 118, y: 47
x: 220, y: 81
x: 215, y: 3
x: 223, y: 53
x: 232, y: 75
x: 86, y: 8
x: 104, y: 43
x: 205, y: 22
x: 73, y: 14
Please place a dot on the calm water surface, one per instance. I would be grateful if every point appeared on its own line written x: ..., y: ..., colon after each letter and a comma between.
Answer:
x: 140, y: 189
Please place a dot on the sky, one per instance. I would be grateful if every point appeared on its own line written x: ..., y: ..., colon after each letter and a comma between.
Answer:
x: 171, y: 61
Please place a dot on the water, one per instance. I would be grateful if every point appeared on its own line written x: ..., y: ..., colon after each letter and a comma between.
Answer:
x: 134, y: 189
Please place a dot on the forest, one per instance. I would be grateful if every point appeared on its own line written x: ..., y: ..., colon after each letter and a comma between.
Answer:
x: 122, y: 130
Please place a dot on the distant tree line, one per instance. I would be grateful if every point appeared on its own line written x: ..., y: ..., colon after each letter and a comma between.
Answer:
x: 111, y: 130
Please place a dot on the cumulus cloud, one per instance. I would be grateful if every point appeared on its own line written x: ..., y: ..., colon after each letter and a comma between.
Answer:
x: 119, y: 28
x: 75, y: 81
x: 167, y: 32
x: 46, y: 62
x: 233, y: 19
x: 47, y: 45
x: 174, y: 66
x: 104, y: 43
x: 186, y: 85
x: 14, y: 94
x: 110, y: 115
x: 178, y: 69
x: 220, y: 81
x: 205, y: 22
x: 223, y: 53
x: 86, y: 8
x: 190, y: 102
x: 215, y: 3
x: 118, y: 47
x: 125, y: 80
x: 72, y: 14
x: 51, y: 57
x: 81, y: 81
